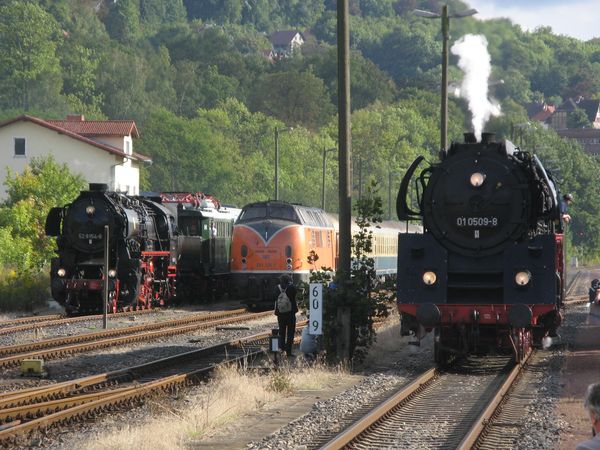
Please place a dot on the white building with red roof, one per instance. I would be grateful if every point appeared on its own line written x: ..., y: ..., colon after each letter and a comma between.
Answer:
x: 99, y: 150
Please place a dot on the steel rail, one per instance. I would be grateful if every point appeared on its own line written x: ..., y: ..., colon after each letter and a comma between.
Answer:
x: 86, y: 337
x: 60, y: 320
x: 61, y: 349
x: 59, y: 390
x: 575, y: 299
x: 30, y: 319
x: 479, y: 426
x: 90, y: 404
x: 349, y: 434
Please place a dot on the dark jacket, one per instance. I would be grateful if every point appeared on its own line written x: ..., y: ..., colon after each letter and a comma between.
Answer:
x: 592, y: 294
x: 290, y: 291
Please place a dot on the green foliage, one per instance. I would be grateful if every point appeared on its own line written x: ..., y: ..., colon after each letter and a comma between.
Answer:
x: 202, y: 66
x: 406, y: 53
x: 26, y: 251
x: 123, y: 21
x: 156, y: 13
x: 368, y: 83
x: 25, y: 291
x: 360, y: 293
x: 29, y: 68
x: 219, y: 11
x: 296, y: 98
x: 80, y: 68
x: 578, y: 119
x: 43, y: 185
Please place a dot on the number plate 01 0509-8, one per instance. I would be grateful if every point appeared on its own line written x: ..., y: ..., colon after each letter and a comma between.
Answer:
x: 490, y: 222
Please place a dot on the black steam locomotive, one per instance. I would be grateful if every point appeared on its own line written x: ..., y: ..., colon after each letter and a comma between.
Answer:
x: 487, y: 273
x: 162, y: 247
x: 142, y: 252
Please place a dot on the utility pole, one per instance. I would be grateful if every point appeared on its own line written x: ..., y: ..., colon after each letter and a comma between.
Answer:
x: 444, y: 108
x: 345, y: 151
x: 105, y: 297
x: 324, y: 170
x: 389, y: 195
x: 277, y: 131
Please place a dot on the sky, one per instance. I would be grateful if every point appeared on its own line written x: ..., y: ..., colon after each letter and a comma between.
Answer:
x: 576, y: 18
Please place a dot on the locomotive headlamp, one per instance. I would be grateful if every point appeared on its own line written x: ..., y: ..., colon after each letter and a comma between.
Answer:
x: 523, y: 278
x: 429, y: 278
x: 90, y: 210
x: 61, y: 272
x: 289, y: 260
x: 477, y: 179
x: 112, y: 273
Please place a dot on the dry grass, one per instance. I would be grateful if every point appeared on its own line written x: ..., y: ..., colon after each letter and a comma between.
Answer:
x: 232, y: 394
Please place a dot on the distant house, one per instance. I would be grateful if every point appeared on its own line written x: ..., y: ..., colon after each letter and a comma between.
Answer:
x: 285, y: 43
x: 539, y: 112
x: 99, y: 150
x: 558, y: 121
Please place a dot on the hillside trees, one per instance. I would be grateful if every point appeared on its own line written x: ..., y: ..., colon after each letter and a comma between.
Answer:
x: 187, y: 155
x: 405, y: 53
x: 195, y: 77
x: 368, y: 82
x: 29, y: 67
x: 156, y: 13
x: 123, y: 21
x: 139, y: 82
x: 296, y: 98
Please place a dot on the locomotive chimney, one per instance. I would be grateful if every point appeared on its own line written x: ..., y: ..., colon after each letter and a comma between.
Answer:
x: 470, y: 138
x: 98, y: 187
x: 487, y: 138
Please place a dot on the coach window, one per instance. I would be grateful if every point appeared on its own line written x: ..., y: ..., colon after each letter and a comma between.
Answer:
x: 20, y: 147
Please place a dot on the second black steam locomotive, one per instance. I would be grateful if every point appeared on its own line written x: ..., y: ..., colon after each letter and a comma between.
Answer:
x: 160, y: 247
x: 142, y: 252
x: 487, y: 273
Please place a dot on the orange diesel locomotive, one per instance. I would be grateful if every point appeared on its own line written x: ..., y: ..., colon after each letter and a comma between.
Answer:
x: 272, y: 238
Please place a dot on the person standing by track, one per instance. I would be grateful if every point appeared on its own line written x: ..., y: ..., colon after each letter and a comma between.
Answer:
x: 285, y: 310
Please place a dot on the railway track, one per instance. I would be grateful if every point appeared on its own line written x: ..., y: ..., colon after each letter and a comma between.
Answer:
x: 435, y: 410
x: 25, y: 411
x: 57, y: 347
x: 442, y: 410
x: 32, y: 323
x: 28, y: 320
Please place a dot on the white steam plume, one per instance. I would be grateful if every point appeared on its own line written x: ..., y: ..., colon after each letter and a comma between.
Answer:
x: 474, y: 60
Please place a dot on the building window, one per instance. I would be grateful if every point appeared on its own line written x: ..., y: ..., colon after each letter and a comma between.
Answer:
x: 19, y: 146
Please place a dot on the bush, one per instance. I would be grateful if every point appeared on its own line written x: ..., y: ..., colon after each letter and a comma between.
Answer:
x: 23, y: 292
x: 280, y: 381
x: 366, y: 300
